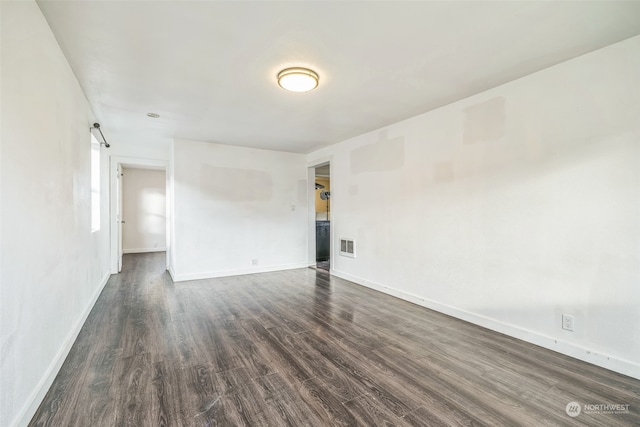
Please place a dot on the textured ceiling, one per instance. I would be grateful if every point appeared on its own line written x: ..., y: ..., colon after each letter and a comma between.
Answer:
x: 208, y: 67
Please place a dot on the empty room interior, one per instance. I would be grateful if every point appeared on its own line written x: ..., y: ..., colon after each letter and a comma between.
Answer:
x: 310, y: 213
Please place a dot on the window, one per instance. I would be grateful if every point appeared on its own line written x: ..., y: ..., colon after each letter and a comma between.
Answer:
x: 95, y: 184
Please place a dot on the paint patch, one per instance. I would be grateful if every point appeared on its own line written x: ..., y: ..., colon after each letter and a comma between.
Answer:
x: 236, y: 185
x: 485, y: 121
x: 443, y: 172
x: 384, y: 155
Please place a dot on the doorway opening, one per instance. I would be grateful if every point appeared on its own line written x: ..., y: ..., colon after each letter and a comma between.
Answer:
x: 144, y: 211
x: 139, y: 208
x: 322, y: 186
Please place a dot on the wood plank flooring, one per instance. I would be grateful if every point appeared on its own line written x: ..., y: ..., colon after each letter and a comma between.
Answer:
x: 301, y: 348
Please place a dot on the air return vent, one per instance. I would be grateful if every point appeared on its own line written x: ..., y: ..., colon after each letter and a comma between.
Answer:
x: 347, y: 247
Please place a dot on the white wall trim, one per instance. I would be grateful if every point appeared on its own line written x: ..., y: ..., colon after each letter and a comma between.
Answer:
x: 227, y: 273
x: 142, y: 250
x: 172, y: 272
x: 559, y: 345
x: 37, y: 396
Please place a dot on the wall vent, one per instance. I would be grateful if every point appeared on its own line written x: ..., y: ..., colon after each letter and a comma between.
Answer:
x: 347, y: 247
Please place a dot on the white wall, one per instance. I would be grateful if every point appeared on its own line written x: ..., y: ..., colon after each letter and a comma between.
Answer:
x: 144, y: 210
x: 233, y: 205
x: 509, y: 208
x: 52, y: 266
x: 158, y: 151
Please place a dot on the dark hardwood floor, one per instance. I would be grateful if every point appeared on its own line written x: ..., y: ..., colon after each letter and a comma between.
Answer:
x: 323, y: 265
x: 301, y: 348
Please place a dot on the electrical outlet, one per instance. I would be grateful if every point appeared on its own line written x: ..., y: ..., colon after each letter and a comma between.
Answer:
x: 254, y: 261
x: 567, y: 322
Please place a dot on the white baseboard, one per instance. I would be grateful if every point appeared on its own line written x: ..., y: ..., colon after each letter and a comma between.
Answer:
x: 557, y: 344
x: 142, y: 250
x: 172, y: 273
x: 35, y: 399
x: 227, y: 273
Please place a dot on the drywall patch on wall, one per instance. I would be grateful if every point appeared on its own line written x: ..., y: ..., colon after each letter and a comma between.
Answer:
x: 236, y: 185
x: 384, y: 155
x: 485, y: 121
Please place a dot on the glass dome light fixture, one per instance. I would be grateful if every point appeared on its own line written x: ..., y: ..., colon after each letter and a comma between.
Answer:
x: 298, y: 79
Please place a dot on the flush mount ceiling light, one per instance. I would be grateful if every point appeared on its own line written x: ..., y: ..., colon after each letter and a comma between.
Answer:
x: 153, y: 115
x: 298, y: 79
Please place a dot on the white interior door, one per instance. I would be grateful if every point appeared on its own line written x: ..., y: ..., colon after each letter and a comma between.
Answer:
x: 119, y: 198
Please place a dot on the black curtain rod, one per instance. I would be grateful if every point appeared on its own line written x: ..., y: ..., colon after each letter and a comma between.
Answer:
x: 97, y: 126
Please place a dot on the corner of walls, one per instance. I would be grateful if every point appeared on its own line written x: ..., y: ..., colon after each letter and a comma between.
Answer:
x: 172, y: 273
x: 237, y: 210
